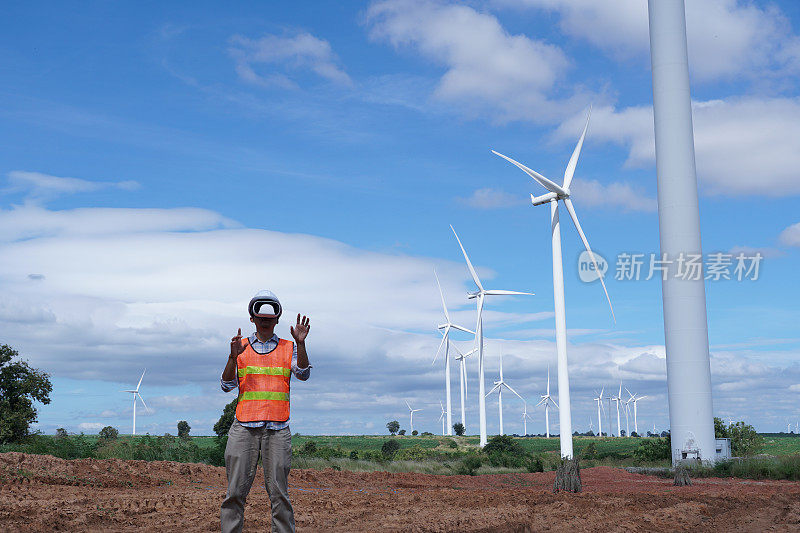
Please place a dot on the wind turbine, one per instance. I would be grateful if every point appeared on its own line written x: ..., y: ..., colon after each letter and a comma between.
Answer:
x: 136, y: 394
x: 618, y: 399
x: 442, y: 418
x: 479, y: 296
x: 461, y: 358
x: 498, y: 386
x: 546, y: 401
x: 555, y: 194
x: 600, y: 406
x: 446, y: 327
x: 411, y: 421
x: 635, y: 399
x: 525, y: 417
x: 591, y: 425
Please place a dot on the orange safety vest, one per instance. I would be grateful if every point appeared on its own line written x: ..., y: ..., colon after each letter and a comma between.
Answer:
x: 264, y: 383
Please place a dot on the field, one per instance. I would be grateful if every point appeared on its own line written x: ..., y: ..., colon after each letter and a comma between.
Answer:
x: 42, y: 493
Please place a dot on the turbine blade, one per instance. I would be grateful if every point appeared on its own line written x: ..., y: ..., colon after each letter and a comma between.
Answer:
x: 493, y: 389
x: 461, y: 328
x: 444, y: 338
x: 515, y: 392
x: 544, y: 182
x: 573, y: 161
x: 140, y: 380
x: 441, y: 294
x: 554, y: 403
x: 409, y: 407
x: 142, y: 399
x: 500, y: 292
x: 469, y: 264
x: 574, y: 217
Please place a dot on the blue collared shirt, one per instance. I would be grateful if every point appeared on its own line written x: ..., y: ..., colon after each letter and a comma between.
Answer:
x: 264, y: 348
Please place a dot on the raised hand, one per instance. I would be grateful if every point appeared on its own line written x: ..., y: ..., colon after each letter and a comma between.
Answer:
x: 236, y: 345
x: 300, y: 330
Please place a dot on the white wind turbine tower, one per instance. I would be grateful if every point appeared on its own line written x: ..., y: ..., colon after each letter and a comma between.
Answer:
x: 525, y: 417
x: 480, y: 296
x: 136, y: 394
x: 634, y: 398
x: 446, y: 327
x: 600, y: 407
x: 498, y: 386
x: 461, y: 358
x: 555, y: 194
x: 411, y: 420
x: 441, y: 417
x: 617, y: 399
x: 546, y: 401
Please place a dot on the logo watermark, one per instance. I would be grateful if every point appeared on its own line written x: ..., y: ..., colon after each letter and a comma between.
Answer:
x: 586, y: 267
x: 631, y: 266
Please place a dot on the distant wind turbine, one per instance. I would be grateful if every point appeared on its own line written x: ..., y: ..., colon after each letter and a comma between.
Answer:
x: 525, y: 417
x: 634, y: 398
x: 479, y: 296
x: 498, y: 386
x: 555, y: 194
x: 445, y: 329
x: 461, y: 358
x: 546, y: 401
x: 136, y: 394
x: 442, y: 418
x: 411, y: 420
x: 600, y: 407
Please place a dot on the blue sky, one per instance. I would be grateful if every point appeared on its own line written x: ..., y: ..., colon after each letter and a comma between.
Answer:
x: 163, y: 163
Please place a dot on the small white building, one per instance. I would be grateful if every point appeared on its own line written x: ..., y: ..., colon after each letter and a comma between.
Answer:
x: 723, y: 449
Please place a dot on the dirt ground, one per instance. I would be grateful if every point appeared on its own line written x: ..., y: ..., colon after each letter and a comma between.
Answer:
x: 43, y: 493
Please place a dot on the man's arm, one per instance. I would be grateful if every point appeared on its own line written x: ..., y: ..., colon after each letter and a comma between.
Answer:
x: 229, y: 374
x: 300, y: 331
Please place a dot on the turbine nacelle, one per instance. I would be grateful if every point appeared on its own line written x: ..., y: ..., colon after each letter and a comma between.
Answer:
x: 549, y: 197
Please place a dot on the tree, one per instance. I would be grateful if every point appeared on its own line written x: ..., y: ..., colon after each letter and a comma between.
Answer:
x: 183, y: 429
x: 109, y: 433
x: 393, y: 426
x: 744, y: 440
x: 401, y: 432
x: 61, y: 433
x: 20, y: 386
x: 459, y: 429
x: 415, y: 432
x: 720, y: 429
x: 224, y: 423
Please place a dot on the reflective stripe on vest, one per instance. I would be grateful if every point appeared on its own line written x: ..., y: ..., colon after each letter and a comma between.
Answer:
x: 264, y: 383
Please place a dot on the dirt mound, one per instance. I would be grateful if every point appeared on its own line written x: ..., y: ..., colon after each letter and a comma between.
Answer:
x: 42, y: 493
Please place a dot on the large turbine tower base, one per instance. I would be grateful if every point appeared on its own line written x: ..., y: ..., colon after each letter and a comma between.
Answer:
x: 685, y: 321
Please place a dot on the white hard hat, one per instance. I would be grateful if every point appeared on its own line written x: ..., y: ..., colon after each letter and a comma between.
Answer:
x: 265, y: 304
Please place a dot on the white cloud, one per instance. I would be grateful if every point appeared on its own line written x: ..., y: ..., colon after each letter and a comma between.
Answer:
x: 592, y: 193
x: 91, y: 426
x: 486, y: 68
x: 295, y: 53
x: 791, y: 235
x: 39, y: 187
x: 726, y: 38
x: 743, y: 146
x: 489, y: 198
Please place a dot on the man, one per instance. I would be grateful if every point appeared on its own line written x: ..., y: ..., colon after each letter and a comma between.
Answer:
x: 261, y: 366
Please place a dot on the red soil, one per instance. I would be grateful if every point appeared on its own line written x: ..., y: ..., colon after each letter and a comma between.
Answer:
x: 43, y: 493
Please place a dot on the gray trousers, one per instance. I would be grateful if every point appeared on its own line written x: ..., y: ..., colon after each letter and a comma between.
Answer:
x: 241, y: 461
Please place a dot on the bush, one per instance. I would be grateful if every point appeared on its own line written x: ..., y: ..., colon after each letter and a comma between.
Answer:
x: 589, y: 451
x: 469, y: 465
x: 502, y: 444
x: 427, y: 434
x: 354, y: 455
x: 389, y: 448
x: 109, y: 433
x: 414, y: 453
x: 535, y: 464
x: 415, y: 432
x: 452, y: 443
x: 401, y: 432
x: 61, y: 433
x: 654, y: 449
x: 309, y: 448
